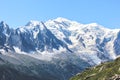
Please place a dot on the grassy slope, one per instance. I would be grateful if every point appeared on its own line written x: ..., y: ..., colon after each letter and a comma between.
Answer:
x: 101, y: 72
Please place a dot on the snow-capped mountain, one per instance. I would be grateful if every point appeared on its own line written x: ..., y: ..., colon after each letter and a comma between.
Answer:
x: 61, y: 45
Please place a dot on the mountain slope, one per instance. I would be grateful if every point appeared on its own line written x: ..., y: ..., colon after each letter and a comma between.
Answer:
x: 105, y: 71
x: 7, y: 73
x: 59, y: 48
x: 61, y: 68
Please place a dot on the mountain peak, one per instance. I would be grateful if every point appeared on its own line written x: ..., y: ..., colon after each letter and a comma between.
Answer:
x: 3, y: 26
x: 60, y: 19
x: 33, y: 23
x: 2, y: 23
x: 93, y: 24
x: 96, y: 26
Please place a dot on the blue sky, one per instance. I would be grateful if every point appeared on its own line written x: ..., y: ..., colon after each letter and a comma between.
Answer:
x: 18, y: 12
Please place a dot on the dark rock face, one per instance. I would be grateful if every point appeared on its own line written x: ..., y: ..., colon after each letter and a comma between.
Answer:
x: 2, y: 39
x: 25, y: 41
x: 117, y: 44
x: 103, y: 54
x: 4, y: 31
x: 46, y: 39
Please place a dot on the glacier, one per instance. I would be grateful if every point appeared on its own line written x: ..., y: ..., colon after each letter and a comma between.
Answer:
x: 58, y: 47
